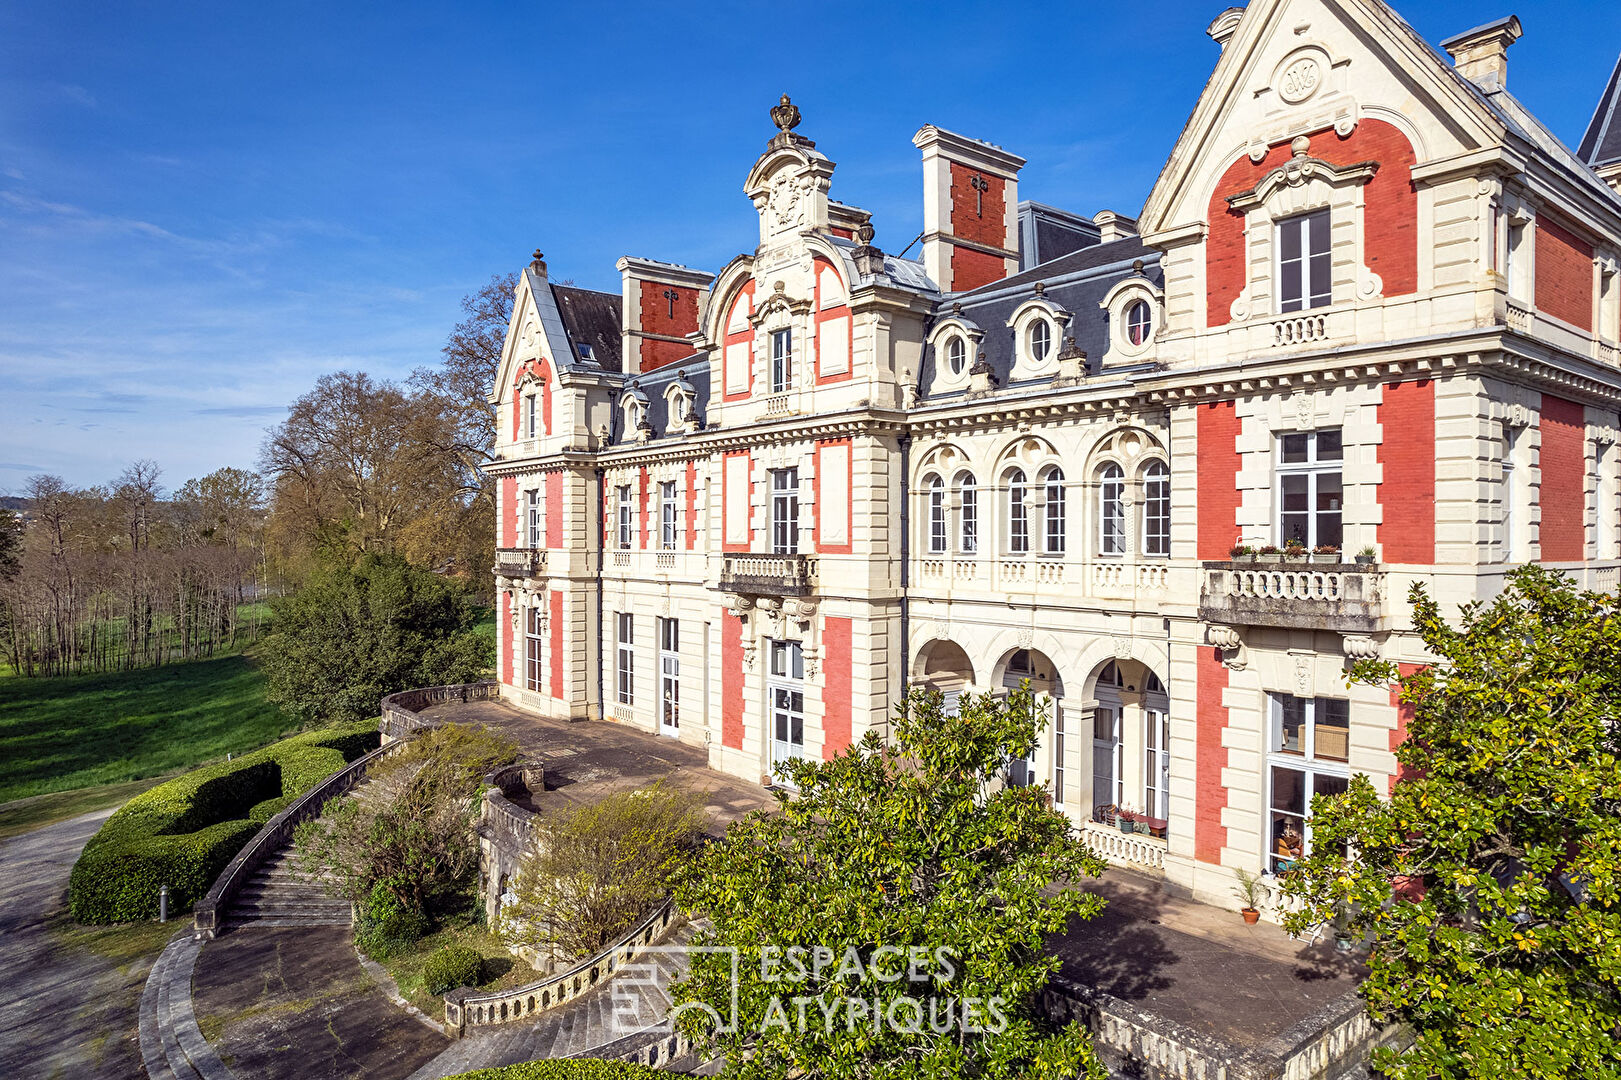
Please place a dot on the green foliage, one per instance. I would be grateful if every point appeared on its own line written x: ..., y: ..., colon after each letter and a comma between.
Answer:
x: 916, y: 845
x: 568, y: 1069
x: 76, y: 731
x: 452, y: 966
x: 598, y: 869
x: 407, y: 834
x: 182, y: 833
x: 1489, y: 882
x: 357, y: 632
x: 387, y: 926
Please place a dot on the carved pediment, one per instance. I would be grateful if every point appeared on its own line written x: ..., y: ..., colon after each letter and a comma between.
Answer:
x: 1302, y: 169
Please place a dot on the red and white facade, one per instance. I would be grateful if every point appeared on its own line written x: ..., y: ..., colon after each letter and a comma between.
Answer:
x: 1370, y: 301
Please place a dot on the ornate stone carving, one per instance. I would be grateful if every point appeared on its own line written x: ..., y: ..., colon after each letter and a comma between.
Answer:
x: 785, y: 114
x: 1305, y: 682
x: 1305, y: 410
x: 1301, y: 79
x: 1369, y: 284
x: 1122, y: 648
x: 1358, y: 647
x: 1517, y: 416
x: 1025, y: 638
x: 1223, y: 637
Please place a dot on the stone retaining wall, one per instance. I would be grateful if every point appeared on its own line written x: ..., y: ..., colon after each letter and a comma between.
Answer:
x: 399, y: 711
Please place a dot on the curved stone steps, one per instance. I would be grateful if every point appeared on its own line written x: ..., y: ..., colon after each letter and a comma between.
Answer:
x: 172, y: 1045
x: 281, y: 894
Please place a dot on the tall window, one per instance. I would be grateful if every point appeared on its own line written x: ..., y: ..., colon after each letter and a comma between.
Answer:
x: 1018, y: 514
x: 1519, y: 259
x: 532, y: 641
x: 937, y: 515
x: 1058, y: 756
x: 1157, y: 762
x: 669, y: 675
x: 784, y: 511
x: 1310, y: 491
x: 625, y: 653
x: 529, y: 426
x: 667, y: 515
x: 782, y: 360
x: 626, y: 520
x: 1054, y: 525
x: 1309, y: 745
x: 1510, y: 495
x: 1108, y: 761
x: 1111, y: 510
x: 532, y: 514
x: 786, y: 689
x: 1041, y: 340
x: 968, y: 523
x: 956, y: 355
x: 1157, y: 509
x: 1303, y: 262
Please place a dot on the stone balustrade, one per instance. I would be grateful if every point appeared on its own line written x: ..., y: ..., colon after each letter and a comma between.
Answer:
x: 1344, y: 597
x: 1299, y: 330
x: 759, y: 574
x: 1132, y: 849
x: 520, y: 562
x: 399, y: 711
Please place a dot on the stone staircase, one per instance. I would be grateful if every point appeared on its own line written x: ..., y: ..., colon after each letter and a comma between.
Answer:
x: 631, y: 1003
x: 280, y: 894
x: 172, y: 1045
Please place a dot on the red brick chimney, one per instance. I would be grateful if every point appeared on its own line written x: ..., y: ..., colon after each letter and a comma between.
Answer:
x: 660, y: 308
x: 970, y: 210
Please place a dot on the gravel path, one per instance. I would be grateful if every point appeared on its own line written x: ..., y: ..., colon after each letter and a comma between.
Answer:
x: 66, y: 1011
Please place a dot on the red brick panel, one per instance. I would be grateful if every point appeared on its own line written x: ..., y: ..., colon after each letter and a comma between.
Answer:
x: 556, y: 628
x: 1564, y: 287
x: 1390, y: 216
x: 554, y: 509
x: 978, y: 216
x: 1210, y: 794
x: 506, y: 510
x: 1407, y: 452
x: 1564, y: 478
x: 1404, y: 717
x: 970, y: 269
x: 503, y: 637
x: 1218, y: 479
x: 657, y: 354
x: 731, y: 680
x: 692, y: 504
x: 836, y: 660
x: 656, y: 317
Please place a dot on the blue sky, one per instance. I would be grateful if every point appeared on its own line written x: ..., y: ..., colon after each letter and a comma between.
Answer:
x: 205, y: 206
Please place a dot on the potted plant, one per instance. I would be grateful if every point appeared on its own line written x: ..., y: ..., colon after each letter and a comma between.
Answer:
x: 1343, y: 941
x: 1325, y: 553
x: 1252, y: 891
x: 1242, y: 553
x: 1294, y: 551
x: 1367, y: 556
x: 1270, y: 552
x: 1127, y: 820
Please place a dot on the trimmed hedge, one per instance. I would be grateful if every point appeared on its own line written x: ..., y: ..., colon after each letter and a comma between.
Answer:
x: 184, y: 832
x: 450, y: 967
x: 568, y: 1069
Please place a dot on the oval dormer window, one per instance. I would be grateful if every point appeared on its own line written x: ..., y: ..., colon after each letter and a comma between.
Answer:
x: 1041, y: 340
x: 1139, y: 322
x: 956, y: 355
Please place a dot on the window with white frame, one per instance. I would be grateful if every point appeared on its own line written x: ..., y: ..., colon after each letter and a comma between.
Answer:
x: 625, y: 658
x: 668, y: 509
x: 532, y: 516
x: 1053, y: 495
x: 529, y: 425
x: 782, y: 361
x: 956, y: 355
x: 1310, y: 488
x: 784, y: 511
x: 669, y: 675
x: 968, y: 514
x: 1139, y: 322
x: 785, y: 687
x: 627, y: 520
x: 1510, y: 495
x: 1039, y: 339
x: 1308, y: 750
x: 1157, y: 761
x: 1018, y: 514
x: 1304, y: 266
x: 1108, y: 755
x: 1058, y: 756
x: 1111, y: 509
x: 533, y: 639
x: 1157, y: 509
x: 1518, y: 246
x: 937, y: 515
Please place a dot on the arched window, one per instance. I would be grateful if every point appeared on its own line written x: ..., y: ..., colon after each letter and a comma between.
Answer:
x: 968, y: 522
x: 1139, y: 322
x: 1018, y: 515
x: 937, y: 514
x: 1157, y: 509
x: 1112, y: 510
x: 1054, y: 483
x: 956, y: 355
x: 1041, y: 339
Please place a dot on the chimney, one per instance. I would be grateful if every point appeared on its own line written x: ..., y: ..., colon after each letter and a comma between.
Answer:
x: 970, y: 210
x: 1113, y: 226
x: 1225, y: 26
x: 1481, y: 54
x: 659, y: 306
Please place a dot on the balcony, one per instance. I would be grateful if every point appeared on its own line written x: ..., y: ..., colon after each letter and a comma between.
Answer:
x: 1344, y: 597
x: 520, y: 562
x: 748, y: 574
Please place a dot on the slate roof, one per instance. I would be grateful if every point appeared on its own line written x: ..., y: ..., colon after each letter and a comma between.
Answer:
x: 591, y: 318
x: 1076, y: 282
x: 1602, y: 143
x: 650, y: 388
x: 1046, y: 232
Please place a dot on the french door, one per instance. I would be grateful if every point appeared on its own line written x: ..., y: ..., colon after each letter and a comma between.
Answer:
x: 669, y: 677
x: 1107, y: 765
x: 786, y: 687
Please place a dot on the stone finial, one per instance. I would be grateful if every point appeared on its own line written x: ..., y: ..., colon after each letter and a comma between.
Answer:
x: 537, y: 262
x: 866, y: 232
x: 1300, y: 146
x: 956, y: 308
x: 785, y: 114
x: 1136, y: 266
x: 1041, y: 288
x: 1071, y: 363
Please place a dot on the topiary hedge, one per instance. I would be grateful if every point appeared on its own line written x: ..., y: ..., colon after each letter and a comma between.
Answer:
x: 568, y: 1069
x: 182, y: 833
x: 450, y: 967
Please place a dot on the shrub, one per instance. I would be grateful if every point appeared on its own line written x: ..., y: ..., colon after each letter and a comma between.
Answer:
x: 386, y: 925
x: 568, y: 1069
x: 182, y: 833
x: 450, y: 967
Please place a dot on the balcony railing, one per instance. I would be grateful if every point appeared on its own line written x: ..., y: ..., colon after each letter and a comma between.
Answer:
x: 1346, y: 597
x: 750, y: 574
x: 520, y: 562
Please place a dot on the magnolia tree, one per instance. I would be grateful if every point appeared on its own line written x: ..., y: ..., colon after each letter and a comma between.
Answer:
x: 888, y: 919
x: 1489, y: 881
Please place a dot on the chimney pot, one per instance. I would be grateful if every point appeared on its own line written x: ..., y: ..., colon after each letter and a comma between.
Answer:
x: 1481, y: 55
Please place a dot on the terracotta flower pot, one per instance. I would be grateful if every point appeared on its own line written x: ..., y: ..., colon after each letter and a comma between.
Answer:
x: 1251, y: 915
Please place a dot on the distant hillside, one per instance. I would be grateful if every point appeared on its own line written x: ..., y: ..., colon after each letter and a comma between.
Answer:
x: 13, y: 502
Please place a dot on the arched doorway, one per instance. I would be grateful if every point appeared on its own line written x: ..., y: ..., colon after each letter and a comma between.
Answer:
x: 1047, y: 761
x: 943, y: 666
x: 1130, y: 745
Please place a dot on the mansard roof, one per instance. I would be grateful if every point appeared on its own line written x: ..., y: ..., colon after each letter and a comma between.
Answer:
x: 692, y: 373
x: 591, y: 319
x: 1602, y: 143
x: 1522, y: 122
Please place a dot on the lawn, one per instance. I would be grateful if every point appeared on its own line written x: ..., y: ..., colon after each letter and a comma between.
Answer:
x: 501, y: 970
x: 89, y: 730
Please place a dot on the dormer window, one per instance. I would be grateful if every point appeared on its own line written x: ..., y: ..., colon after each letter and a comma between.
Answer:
x: 1303, y: 262
x: 1139, y: 322
x: 1040, y: 340
x: 782, y: 361
x: 956, y: 355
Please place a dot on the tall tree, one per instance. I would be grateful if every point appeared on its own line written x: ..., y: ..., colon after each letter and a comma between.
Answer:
x: 465, y: 377
x: 228, y: 505
x: 1488, y: 883
x: 896, y: 860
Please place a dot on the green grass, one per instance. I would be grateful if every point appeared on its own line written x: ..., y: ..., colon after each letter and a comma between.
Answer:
x: 486, y: 624
x: 502, y: 971
x: 89, y: 730
x: 23, y: 815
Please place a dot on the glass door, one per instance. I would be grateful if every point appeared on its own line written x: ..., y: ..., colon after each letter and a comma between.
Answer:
x: 1107, y: 771
x: 787, y: 693
x: 669, y: 677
